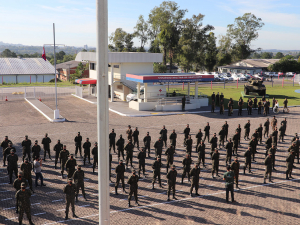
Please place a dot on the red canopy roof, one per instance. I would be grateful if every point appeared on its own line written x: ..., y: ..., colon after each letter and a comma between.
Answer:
x: 86, y: 81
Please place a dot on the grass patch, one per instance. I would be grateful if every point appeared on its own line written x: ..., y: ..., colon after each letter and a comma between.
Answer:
x: 277, y: 91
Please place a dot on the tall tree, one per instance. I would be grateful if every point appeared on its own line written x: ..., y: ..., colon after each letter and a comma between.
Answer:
x: 242, y: 33
x: 141, y: 32
x: 8, y: 54
x: 266, y: 55
x: 211, y: 52
x: 224, y: 56
x: 278, y: 55
x: 117, y: 38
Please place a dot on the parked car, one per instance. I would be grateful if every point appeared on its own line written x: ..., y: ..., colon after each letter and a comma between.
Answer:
x: 216, y: 78
x: 290, y: 74
x: 281, y: 74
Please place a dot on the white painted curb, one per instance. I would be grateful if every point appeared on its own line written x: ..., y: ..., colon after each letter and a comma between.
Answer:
x: 47, y: 117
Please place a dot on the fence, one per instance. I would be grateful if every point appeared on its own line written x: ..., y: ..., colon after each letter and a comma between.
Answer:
x: 16, y: 93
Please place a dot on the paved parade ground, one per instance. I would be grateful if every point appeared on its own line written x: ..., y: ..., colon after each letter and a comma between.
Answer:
x: 256, y: 203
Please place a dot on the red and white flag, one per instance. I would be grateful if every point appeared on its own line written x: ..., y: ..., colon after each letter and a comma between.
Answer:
x: 44, y: 54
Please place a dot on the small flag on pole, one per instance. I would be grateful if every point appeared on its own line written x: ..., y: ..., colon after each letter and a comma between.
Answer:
x: 44, y: 54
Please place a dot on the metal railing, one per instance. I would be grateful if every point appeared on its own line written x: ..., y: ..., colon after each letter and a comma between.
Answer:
x: 16, y: 93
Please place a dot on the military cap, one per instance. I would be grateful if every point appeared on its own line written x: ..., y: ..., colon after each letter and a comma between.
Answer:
x: 36, y: 141
x: 26, y: 159
x: 26, y: 135
x: 196, y: 164
x: 21, y: 173
x: 133, y: 171
x: 23, y: 184
x: 113, y: 129
x: 46, y: 134
x: 158, y: 157
x: 96, y: 143
x: 9, y: 143
x: 79, y: 166
x: 228, y: 168
x: 120, y: 161
x: 78, y: 132
x: 173, y: 166
x: 70, y: 179
x: 12, y: 151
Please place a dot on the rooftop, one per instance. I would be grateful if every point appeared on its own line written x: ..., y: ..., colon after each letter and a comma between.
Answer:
x: 15, y: 66
x: 69, y: 64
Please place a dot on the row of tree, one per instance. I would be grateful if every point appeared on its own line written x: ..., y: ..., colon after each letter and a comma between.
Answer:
x: 286, y: 64
x: 186, y: 41
x: 270, y: 55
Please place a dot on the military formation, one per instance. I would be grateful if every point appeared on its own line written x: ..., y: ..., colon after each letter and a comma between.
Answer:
x: 131, y: 150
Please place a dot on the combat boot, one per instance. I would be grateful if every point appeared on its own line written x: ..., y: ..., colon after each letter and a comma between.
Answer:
x: 264, y: 180
x: 116, y: 190
x: 129, y: 204
x: 76, y: 198
x: 137, y: 203
x: 31, y: 223
x: 93, y: 169
x: 168, y: 198
x: 244, y: 170
x: 174, y: 197
x: 74, y: 215
x: 152, y: 186
x: 182, y: 180
x: 124, y: 190
x: 66, y: 217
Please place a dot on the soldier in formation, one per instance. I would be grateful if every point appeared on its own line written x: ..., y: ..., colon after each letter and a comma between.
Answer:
x: 133, y: 183
x: 46, y: 144
x: 23, y: 201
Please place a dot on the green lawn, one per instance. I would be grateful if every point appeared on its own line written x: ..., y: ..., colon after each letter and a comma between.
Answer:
x: 277, y: 91
x: 59, y: 84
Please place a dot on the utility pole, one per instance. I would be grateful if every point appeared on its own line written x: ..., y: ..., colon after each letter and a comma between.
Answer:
x: 102, y: 110
x: 69, y: 72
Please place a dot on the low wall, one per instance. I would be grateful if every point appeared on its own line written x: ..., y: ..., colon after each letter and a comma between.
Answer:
x: 142, y: 106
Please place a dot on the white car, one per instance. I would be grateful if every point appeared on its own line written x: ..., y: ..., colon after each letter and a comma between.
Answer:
x: 290, y: 74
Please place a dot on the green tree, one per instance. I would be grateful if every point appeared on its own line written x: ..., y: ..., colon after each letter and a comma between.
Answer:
x: 285, y: 64
x: 83, y: 50
x: 128, y: 43
x: 141, y: 32
x: 242, y: 33
x: 60, y: 55
x: 117, y: 38
x: 8, y: 54
x: 224, y: 51
x: 256, y: 55
x: 266, y: 55
x: 278, y: 55
x: 159, y: 68
x: 211, y: 52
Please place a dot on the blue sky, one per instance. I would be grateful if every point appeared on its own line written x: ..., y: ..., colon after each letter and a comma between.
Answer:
x: 29, y: 22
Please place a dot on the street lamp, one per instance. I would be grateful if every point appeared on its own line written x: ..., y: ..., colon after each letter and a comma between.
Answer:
x: 56, y: 111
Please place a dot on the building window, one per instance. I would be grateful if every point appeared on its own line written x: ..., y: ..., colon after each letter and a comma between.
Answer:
x: 116, y: 66
x: 92, y: 66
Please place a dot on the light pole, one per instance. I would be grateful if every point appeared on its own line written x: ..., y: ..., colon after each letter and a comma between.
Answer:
x: 69, y: 73
x: 102, y: 110
x: 56, y: 111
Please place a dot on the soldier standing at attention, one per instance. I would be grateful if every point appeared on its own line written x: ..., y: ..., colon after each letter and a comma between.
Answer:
x: 268, y: 144
x: 173, y: 137
x: 26, y: 145
x: 272, y: 152
x: 296, y: 149
x: 266, y: 125
x: 284, y: 123
x: 87, y: 150
x: 281, y: 133
x: 268, y: 164
x: 120, y: 170
x: 222, y: 137
x: 235, y: 142
x: 141, y: 157
x: 17, y: 185
x: 147, y: 142
x: 247, y: 130
x: 235, y: 166
x: 120, y: 147
x: 217, y: 99
x: 274, y: 136
x: 226, y: 127
x: 186, y: 132
x: 228, y: 148
x: 6, y: 152
x: 215, y: 163
x: 255, y: 103
x: 206, y: 132
x: 268, y: 107
x: 70, y: 191
x: 201, y: 153
x: 112, y: 140
x: 78, y: 177
x: 213, y: 106
x: 213, y: 143
x: 156, y: 171
x: 171, y: 176
x: 23, y: 200
x: 183, y: 103
x: 259, y: 107
x: 265, y: 108
x: 63, y: 157
x: 158, y: 147
x: 285, y: 102
x: 57, y: 148
x: 135, y: 136
x: 247, y: 156
x: 70, y: 166
x: 199, y: 136
x: 239, y: 130
x: 129, y: 133
x: 221, y: 107
x: 289, y: 165
x: 229, y: 179
x: 189, y: 145
x: 36, y: 149
x: 26, y: 168
x: 78, y: 140
x: 274, y: 123
x: 222, y: 97
x: 195, y: 173
x: 164, y: 135
x: 252, y: 145
x: 133, y: 182
x: 4, y: 145
x: 46, y: 144
x: 170, y: 156
x: 95, y: 156
x: 186, y: 162
x: 12, y: 164
x: 129, y: 153
x: 240, y: 103
x: 260, y: 131
x: 213, y: 96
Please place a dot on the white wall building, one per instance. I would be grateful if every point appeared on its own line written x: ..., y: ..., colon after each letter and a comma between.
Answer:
x: 120, y: 64
x: 20, y: 70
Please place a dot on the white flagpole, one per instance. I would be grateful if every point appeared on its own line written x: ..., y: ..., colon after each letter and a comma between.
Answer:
x: 55, y: 69
x: 102, y: 110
